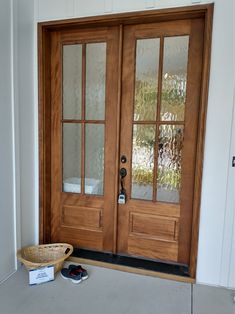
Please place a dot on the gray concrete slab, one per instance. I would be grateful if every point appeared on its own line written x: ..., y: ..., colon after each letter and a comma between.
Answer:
x: 212, y: 300
x: 105, y: 292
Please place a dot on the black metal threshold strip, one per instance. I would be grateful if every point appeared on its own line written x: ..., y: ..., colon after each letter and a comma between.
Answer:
x: 172, y: 269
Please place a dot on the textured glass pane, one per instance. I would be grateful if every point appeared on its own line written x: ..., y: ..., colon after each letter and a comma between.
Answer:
x: 174, y: 78
x: 95, y: 81
x: 143, y: 161
x: 147, y: 61
x: 72, y: 81
x: 94, y: 164
x: 72, y: 157
x: 169, y: 163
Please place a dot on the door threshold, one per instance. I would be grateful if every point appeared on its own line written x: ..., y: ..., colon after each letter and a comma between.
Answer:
x: 162, y: 270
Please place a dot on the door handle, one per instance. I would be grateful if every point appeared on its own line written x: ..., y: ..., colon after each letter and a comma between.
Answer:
x: 122, y: 194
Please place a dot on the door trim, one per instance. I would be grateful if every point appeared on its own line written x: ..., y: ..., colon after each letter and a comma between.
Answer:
x: 44, y: 78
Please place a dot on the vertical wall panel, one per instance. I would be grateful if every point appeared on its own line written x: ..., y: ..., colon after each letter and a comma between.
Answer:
x: 89, y: 7
x: 55, y: 9
x: 150, y: 3
x: 108, y: 6
x: 217, y: 147
x: 228, y: 260
x: 128, y: 5
x: 7, y: 227
x: 27, y: 122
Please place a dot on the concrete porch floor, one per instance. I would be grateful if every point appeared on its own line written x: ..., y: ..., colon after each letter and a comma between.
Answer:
x: 112, y: 292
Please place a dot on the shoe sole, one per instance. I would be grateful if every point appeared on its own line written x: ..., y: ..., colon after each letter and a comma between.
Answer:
x: 84, y: 278
x: 74, y: 281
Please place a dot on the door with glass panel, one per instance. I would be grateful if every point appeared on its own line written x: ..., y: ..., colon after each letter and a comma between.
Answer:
x: 160, y: 105
x: 153, y: 136
x: 83, y: 141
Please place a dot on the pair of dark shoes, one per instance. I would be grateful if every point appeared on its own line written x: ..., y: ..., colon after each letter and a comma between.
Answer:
x: 76, y: 273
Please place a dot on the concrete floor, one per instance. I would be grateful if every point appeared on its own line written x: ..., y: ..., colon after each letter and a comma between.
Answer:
x: 112, y: 292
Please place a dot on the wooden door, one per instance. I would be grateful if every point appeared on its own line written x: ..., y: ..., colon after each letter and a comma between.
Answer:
x: 162, y: 68
x: 83, y: 136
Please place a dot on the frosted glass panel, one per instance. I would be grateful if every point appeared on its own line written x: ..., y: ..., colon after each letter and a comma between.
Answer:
x: 72, y: 81
x: 174, y: 78
x: 143, y: 161
x: 94, y: 164
x: 72, y: 157
x: 95, y: 81
x: 147, y: 61
x: 169, y: 163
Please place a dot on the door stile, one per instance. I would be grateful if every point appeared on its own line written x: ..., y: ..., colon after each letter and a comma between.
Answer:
x: 191, y: 127
x: 118, y: 127
x: 83, y: 136
x: 112, y: 97
x: 56, y: 75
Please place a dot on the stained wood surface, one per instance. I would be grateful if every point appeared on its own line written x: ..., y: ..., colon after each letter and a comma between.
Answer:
x: 81, y: 219
x: 107, y: 239
x: 131, y: 242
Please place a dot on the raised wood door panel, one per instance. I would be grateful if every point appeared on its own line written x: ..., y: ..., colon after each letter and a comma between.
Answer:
x: 83, y: 136
x: 158, y: 139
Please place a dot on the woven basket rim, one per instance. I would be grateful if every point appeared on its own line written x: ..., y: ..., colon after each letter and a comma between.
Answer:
x: 42, y: 264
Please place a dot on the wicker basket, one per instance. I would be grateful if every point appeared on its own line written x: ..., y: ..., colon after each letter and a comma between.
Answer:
x: 38, y: 256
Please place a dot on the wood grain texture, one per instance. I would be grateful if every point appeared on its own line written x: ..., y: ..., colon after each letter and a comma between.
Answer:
x: 81, y: 238
x: 118, y: 155
x: 71, y: 222
x: 55, y: 134
x: 208, y: 23
x: 140, y: 246
x: 44, y: 113
x: 81, y: 218
x: 192, y: 110
x: 194, y: 29
x: 152, y: 226
x: 72, y: 27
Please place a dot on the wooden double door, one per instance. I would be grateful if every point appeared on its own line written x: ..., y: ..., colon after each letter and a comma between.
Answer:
x: 126, y: 97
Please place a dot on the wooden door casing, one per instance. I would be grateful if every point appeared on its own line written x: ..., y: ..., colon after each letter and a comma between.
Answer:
x: 154, y: 229
x: 46, y: 31
x: 80, y: 219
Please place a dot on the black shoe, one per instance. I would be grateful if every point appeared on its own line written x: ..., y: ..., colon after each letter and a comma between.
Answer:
x: 79, y: 270
x: 74, y: 276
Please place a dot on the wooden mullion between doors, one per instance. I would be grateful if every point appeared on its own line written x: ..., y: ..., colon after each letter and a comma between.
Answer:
x: 119, y: 100
x: 159, y: 98
x: 83, y: 118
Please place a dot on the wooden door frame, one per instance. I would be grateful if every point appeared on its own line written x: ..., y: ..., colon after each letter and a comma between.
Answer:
x: 44, y: 30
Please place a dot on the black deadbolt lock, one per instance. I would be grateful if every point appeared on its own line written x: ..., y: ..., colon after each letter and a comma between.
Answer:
x: 123, y: 159
x: 123, y: 172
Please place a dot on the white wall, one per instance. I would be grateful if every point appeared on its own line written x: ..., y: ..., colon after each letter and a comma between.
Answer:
x: 212, y: 262
x: 7, y: 187
x: 24, y: 72
x: 216, y: 253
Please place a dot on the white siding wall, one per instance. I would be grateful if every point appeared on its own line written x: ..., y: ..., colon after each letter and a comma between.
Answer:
x: 24, y: 72
x: 7, y: 192
x: 216, y: 256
